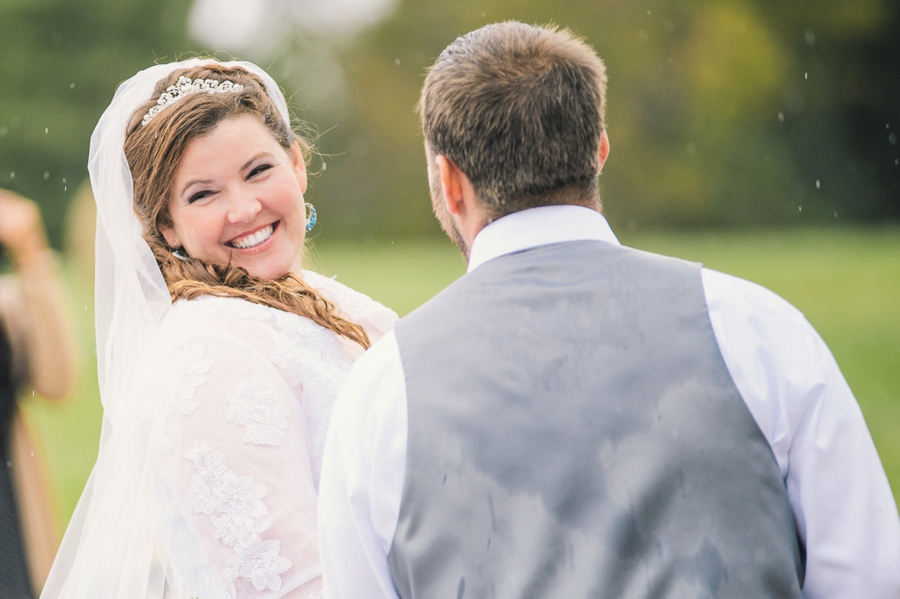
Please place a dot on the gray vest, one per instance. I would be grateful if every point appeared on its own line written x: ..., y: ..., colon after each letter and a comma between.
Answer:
x: 574, y: 432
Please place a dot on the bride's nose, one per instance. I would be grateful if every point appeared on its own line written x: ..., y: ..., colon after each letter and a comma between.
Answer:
x: 243, y: 208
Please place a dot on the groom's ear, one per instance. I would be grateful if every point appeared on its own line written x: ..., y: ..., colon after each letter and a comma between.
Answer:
x: 603, y: 152
x: 453, y: 183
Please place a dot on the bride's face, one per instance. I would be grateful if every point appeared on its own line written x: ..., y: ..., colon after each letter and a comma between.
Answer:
x: 237, y: 197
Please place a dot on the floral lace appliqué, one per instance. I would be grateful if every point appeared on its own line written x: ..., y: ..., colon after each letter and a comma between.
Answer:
x: 257, y: 407
x: 195, y: 575
x: 315, y: 358
x: 242, y: 308
x: 234, y: 504
x: 189, y: 370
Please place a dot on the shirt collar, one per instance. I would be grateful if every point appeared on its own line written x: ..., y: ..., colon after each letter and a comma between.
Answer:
x: 535, y: 227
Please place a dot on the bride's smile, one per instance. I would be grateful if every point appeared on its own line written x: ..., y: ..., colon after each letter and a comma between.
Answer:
x: 237, y: 197
x: 253, y: 240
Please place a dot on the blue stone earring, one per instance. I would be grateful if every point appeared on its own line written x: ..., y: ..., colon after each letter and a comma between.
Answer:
x: 311, y: 219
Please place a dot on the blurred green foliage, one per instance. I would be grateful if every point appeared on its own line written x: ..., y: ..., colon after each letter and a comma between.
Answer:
x: 724, y: 112
x: 720, y: 112
x: 62, y: 61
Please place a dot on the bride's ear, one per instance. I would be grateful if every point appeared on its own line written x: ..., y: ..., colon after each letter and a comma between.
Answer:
x: 171, y: 236
x: 299, y: 165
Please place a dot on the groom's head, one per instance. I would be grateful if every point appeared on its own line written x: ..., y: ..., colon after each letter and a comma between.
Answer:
x: 518, y: 109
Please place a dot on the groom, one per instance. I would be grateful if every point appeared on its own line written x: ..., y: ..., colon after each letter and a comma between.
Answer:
x: 573, y: 418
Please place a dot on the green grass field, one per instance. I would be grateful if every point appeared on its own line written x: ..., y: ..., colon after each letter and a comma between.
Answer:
x: 846, y: 281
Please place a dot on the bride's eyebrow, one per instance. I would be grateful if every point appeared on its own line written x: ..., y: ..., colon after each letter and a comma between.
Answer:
x: 263, y: 154
x: 188, y: 185
x: 245, y: 166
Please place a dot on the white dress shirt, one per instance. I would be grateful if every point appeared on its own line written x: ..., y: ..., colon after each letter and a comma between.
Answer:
x: 845, y: 513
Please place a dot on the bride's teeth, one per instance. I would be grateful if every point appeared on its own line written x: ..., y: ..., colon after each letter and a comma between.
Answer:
x: 255, y: 239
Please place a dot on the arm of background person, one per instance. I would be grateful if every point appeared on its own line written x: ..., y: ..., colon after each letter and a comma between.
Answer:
x: 362, y: 477
x: 845, y: 513
x: 36, y: 305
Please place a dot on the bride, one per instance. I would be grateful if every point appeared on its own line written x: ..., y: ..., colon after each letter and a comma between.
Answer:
x: 219, y: 357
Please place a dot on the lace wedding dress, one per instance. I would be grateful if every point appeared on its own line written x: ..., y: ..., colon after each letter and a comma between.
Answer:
x: 235, y: 403
x: 214, y: 415
x: 245, y: 395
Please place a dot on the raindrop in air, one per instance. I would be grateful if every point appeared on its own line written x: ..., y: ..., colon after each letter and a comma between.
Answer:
x: 835, y: 214
x: 397, y: 61
x: 324, y: 166
x: 46, y: 129
x: 810, y: 37
x: 71, y: 86
x: 12, y: 175
x: 800, y: 208
x: 780, y: 117
x: 818, y: 184
x: 46, y: 175
x: 892, y: 138
x: 806, y: 75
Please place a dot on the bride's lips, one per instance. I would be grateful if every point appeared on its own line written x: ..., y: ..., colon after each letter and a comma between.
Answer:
x: 256, y: 240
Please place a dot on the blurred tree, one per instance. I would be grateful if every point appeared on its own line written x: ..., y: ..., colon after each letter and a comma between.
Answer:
x: 62, y: 62
x: 720, y: 112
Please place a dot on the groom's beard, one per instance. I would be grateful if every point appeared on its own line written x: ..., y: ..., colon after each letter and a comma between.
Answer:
x: 443, y: 215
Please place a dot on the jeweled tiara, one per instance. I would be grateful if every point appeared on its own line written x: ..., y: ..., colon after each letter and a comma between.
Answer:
x: 185, y: 87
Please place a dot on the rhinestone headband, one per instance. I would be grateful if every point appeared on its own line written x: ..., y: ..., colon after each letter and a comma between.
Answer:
x: 185, y: 87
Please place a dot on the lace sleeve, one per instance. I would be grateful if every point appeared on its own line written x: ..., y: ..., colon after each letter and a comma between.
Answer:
x: 244, y: 486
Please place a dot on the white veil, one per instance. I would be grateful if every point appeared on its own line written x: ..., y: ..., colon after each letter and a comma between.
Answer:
x: 109, y: 549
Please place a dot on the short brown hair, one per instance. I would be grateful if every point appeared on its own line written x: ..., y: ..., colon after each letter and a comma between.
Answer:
x: 154, y: 151
x: 519, y: 109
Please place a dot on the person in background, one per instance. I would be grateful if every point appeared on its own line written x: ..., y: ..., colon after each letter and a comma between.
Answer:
x: 37, y: 353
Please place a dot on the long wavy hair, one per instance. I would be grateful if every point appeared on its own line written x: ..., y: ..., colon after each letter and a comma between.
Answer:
x: 154, y: 151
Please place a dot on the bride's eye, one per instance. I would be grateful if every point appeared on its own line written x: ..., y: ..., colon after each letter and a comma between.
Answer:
x: 199, y: 196
x: 261, y: 168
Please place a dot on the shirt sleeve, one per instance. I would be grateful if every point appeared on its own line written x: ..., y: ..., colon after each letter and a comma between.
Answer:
x: 842, y: 503
x: 244, y: 484
x: 362, y: 477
